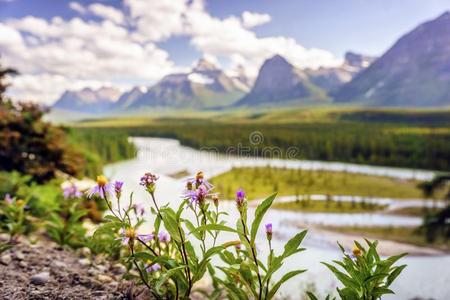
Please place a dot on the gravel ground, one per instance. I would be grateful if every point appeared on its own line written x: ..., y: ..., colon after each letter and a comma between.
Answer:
x: 46, y: 271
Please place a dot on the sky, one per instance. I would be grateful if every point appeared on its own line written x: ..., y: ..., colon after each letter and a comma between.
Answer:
x: 67, y: 45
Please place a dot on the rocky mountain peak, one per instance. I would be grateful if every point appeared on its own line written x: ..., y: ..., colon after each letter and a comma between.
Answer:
x: 205, y: 65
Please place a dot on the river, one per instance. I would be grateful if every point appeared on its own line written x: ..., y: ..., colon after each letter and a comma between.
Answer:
x: 425, y: 276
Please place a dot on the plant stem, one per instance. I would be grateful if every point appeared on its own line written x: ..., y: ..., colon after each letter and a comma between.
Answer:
x: 148, y: 247
x: 254, y: 258
x: 270, y: 263
x: 109, y: 204
x: 188, y: 270
x: 142, y: 275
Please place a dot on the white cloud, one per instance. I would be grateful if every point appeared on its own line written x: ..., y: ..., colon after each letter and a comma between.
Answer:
x: 120, y: 48
x: 81, y: 51
x: 251, y: 19
x: 77, y: 7
x: 107, y: 12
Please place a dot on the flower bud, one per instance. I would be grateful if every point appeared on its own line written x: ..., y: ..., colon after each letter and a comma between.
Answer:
x: 118, y: 188
x: 356, y: 251
x: 215, y: 199
x: 240, y: 199
x: 269, y: 231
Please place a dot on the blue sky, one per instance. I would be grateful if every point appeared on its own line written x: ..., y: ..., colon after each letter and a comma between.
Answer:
x: 309, y: 33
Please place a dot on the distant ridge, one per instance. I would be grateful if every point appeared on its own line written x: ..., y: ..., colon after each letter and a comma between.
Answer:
x: 415, y: 72
x: 279, y: 82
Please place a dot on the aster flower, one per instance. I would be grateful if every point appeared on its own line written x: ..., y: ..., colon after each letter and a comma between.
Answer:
x: 153, y: 268
x: 146, y: 237
x: 8, y: 199
x: 128, y: 235
x: 148, y: 181
x: 196, y: 196
x: 102, y: 188
x: 164, y: 237
x: 269, y: 231
x: 199, y: 179
x: 71, y: 192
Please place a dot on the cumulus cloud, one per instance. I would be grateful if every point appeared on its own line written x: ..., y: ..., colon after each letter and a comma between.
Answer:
x: 251, y: 19
x: 105, y: 45
x: 107, y: 12
x: 77, y: 7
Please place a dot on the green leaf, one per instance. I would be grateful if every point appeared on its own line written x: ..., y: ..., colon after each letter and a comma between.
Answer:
x: 166, y: 276
x: 394, y: 274
x: 374, y: 278
x: 311, y: 296
x: 348, y: 294
x: 345, y: 279
x: 213, y: 227
x: 292, y: 245
x: 259, y: 214
x: 191, y: 228
x: 380, y: 291
x: 283, y: 279
x: 144, y: 256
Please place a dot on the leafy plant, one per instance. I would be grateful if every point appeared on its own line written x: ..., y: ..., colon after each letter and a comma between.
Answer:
x: 64, y: 226
x: 254, y: 278
x: 14, y: 218
x: 170, y: 263
x: 364, y: 274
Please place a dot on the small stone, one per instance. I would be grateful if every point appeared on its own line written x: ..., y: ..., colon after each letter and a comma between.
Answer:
x: 92, y: 271
x: 40, y: 278
x: 101, y: 268
x: 119, y: 269
x: 59, y: 264
x: 84, y: 262
x: 23, y: 264
x: 104, y: 278
x: 6, y: 259
x: 20, y: 256
x: 85, y: 251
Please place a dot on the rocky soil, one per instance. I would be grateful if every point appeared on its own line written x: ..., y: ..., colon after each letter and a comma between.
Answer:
x: 46, y: 271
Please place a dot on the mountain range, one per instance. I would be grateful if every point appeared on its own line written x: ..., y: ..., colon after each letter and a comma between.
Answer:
x: 414, y: 72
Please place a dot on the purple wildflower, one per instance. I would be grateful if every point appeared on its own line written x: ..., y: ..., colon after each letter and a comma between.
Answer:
x: 118, y: 188
x: 148, y: 181
x: 153, y: 268
x: 164, y: 237
x: 128, y: 235
x: 8, y: 199
x: 199, y: 180
x: 240, y: 198
x: 269, y: 231
x: 139, y: 209
x: 146, y: 237
x: 196, y: 196
x: 71, y: 192
x: 102, y: 188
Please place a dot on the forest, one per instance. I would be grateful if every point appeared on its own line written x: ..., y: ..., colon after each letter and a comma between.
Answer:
x: 376, y: 137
